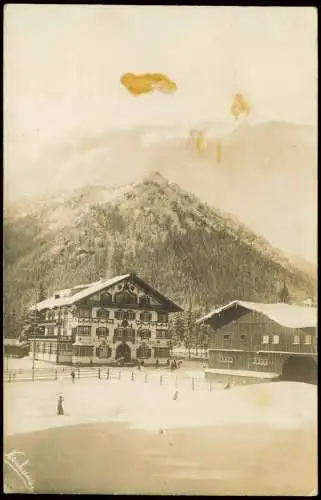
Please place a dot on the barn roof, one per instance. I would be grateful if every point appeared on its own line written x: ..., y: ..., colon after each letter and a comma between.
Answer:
x: 289, y: 316
x: 87, y: 290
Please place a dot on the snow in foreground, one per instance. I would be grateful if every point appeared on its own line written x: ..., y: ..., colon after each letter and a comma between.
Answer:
x: 32, y: 406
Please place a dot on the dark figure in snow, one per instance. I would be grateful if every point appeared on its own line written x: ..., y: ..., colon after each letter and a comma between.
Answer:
x: 172, y: 366
x: 175, y: 364
x: 180, y: 363
x: 168, y: 362
x: 157, y: 363
x: 142, y: 363
x: 73, y: 376
x: 91, y: 363
x: 138, y: 365
x: 227, y: 386
x: 60, y: 408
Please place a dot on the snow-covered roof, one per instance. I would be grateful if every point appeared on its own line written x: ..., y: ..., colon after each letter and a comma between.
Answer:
x: 287, y: 315
x: 69, y: 300
x: 64, y: 299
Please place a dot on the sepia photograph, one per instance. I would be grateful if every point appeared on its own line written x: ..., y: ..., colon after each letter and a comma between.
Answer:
x: 160, y: 250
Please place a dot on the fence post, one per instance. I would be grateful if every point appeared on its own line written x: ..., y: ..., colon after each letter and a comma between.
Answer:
x: 9, y: 376
x: 56, y: 375
x: 119, y: 376
x: 146, y: 377
x: 99, y: 372
x: 107, y: 374
x: 132, y: 377
x: 193, y: 386
x: 161, y: 380
x: 210, y: 386
x: 78, y: 371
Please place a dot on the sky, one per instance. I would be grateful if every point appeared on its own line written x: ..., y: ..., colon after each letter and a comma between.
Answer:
x: 63, y: 64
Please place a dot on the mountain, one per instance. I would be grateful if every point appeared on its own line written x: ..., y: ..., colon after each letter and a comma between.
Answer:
x: 195, y: 254
x: 267, y: 174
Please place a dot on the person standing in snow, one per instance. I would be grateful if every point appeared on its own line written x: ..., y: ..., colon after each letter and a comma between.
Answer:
x: 60, y: 408
x: 73, y: 376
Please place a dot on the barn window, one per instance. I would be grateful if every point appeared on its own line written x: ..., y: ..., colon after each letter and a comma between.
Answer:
x: 243, y: 337
x: 102, y: 314
x: 266, y: 339
x: 296, y: 339
x: 308, y: 339
x: 226, y: 338
x: 276, y: 339
x: 105, y: 299
x: 102, y: 332
x: 145, y: 316
x: 144, y: 300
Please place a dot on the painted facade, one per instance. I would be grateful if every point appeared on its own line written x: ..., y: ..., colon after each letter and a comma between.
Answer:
x: 125, y: 318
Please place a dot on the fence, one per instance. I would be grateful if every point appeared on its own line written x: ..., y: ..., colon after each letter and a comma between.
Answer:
x: 179, y: 381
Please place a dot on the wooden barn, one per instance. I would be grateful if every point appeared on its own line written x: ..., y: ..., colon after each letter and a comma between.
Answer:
x: 263, y: 340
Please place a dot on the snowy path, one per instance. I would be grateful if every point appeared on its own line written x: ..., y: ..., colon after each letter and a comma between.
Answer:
x: 32, y: 406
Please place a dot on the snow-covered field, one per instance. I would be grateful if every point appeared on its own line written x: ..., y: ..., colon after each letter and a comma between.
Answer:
x: 31, y: 406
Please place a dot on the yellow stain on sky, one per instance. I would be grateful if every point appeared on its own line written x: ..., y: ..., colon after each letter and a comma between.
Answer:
x: 148, y: 82
x: 200, y: 140
x: 240, y: 106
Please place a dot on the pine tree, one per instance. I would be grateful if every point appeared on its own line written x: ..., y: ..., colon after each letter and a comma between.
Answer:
x: 284, y: 295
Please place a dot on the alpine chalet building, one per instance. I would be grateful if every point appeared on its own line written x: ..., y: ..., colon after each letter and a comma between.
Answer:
x: 111, y: 319
x: 251, y: 339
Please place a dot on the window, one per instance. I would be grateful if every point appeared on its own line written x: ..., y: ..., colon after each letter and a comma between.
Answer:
x: 163, y: 334
x: 83, y: 351
x: 308, y: 339
x: 227, y: 338
x: 161, y: 352
x: 145, y: 316
x: 260, y: 362
x: 266, y: 339
x: 162, y: 317
x: 102, y: 314
x: 126, y: 298
x: 84, y: 330
x: 105, y: 299
x: 144, y: 300
x: 51, y: 316
x: 124, y: 334
x: 145, y: 334
x: 120, y: 314
x: 276, y: 339
x: 225, y: 359
x: 296, y: 339
x: 102, y: 332
x: 143, y: 352
x: 51, y: 331
x: 84, y: 313
x: 131, y: 315
x: 243, y: 337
